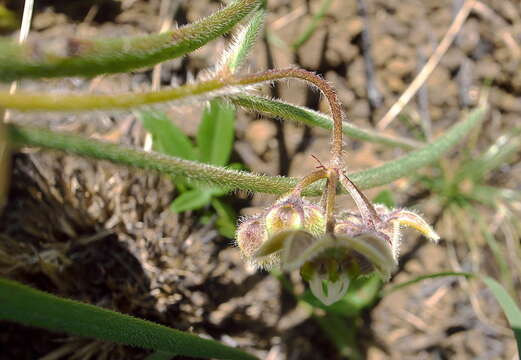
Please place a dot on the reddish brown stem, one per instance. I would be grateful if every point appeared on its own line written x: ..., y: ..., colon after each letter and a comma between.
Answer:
x: 322, y: 85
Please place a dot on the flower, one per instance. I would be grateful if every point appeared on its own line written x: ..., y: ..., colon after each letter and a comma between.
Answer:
x: 329, y: 262
x: 292, y: 233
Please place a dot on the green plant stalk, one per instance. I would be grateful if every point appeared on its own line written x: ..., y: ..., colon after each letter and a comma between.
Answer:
x: 34, y: 101
x: 32, y: 307
x: 232, y: 179
x: 310, y: 117
x: 95, y: 57
x: 312, y: 26
x: 24, y: 101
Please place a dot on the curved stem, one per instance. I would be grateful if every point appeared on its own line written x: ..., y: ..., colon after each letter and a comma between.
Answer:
x: 308, y: 180
x: 326, y: 89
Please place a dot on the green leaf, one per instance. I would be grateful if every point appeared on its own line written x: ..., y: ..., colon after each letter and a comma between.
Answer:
x: 420, y: 278
x: 90, y: 57
x: 312, y: 26
x: 160, y: 355
x: 191, y: 200
x: 509, y: 306
x: 244, y: 42
x: 215, y: 134
x: 310, y: 117
x: 408, y: 164
x: 226, y: 218
x: 32, y: 307
x: 342, y: 333
x: 231, y: 179
x: 168, y: 138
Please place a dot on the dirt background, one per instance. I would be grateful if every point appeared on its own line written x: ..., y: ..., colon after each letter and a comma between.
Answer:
x: 105, y: 235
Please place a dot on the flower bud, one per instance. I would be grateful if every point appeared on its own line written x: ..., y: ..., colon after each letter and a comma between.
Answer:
x: 286, y: 214
x: 251, y: 234
x: 315, y: 219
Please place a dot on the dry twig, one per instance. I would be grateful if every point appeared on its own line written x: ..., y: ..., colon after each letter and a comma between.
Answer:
x: 429, y: 67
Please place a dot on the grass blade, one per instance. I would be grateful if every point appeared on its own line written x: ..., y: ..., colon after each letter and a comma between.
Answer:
x: 94, y: 57
x: 32, y: 307
x: 312, y: 26
x: 309, y: 117
x: 509, y: 306
x: 420, y: 278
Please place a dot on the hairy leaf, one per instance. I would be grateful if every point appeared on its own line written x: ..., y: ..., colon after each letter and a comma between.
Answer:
x: 90, y: 57
x: 232, y: 179
x: 309, y: 117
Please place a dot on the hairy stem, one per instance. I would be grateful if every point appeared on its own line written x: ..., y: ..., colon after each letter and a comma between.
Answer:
x: 86, y: 57
x: 381, y: 175
x: 332, y: 179
x: 310, y: 117
x: 308, y: 180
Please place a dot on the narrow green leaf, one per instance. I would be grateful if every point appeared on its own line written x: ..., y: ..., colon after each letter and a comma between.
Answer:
x: 32, y: 307
x: 232, y: 179
x: 160, y: 355
x: 244, y: 42
x: 312, y: 26
x: 509, y: 306
x: 215, y: 134
x: 342, y: 333
x: 420, y: 278
x: 498, y: 154
x: 309, y: 117
x: 226, y: 218
x: 168, y: 138
x: 408, y: 164
x: 90, y: 57
x: 191, y: 200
